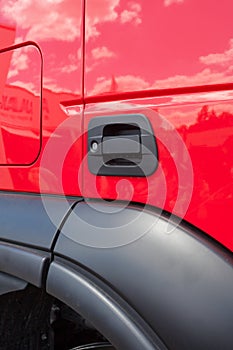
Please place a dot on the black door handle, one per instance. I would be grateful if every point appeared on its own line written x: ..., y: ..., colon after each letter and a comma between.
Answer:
x: 122, y: 145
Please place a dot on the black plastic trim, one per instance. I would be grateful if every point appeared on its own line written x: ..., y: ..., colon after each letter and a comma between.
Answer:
x: 24, y: 263
x: 106, y: 314
x: 29, y: 227
x: 32, y: 219
x: 178, y: 281
x: 10, y: 283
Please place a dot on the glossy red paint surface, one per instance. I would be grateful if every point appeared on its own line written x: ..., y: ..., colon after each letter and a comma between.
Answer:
x: 31, y: 115
x: 20, y: 108
x: 169, y: 48
x: 170, y: 60
x: 194, y: 179
x: 140, y: 45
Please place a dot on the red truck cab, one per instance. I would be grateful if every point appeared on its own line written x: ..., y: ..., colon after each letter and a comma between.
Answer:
x: 116, y: 174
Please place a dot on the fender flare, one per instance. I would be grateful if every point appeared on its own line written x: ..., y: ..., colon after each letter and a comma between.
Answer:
x: 10, y: 283
x: 21, y: 265
x: 179, y: 281
x: 27, y: 236
x: 101, y: 306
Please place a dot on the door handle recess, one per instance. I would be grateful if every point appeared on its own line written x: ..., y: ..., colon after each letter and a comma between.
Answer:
x: 121, y: 145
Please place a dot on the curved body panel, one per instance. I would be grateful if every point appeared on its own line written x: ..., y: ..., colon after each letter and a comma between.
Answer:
x: 179, y: 281
x: 105, y: 310
x: 27, y: 264
x: 30, y: 219
x: 9, y: 283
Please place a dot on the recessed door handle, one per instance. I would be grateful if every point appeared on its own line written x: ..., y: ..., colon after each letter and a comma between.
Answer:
x: 122, y: 145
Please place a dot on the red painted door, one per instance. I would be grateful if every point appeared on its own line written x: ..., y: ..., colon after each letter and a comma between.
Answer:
x: 39, y: 137
x: 172, y: 62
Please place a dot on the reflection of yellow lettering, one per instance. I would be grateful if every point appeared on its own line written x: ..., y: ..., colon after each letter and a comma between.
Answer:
x: 12, y: 104
x: 3, y: 102
x: 15, y: 105
x: 45, y: 105
x: 26, y: 106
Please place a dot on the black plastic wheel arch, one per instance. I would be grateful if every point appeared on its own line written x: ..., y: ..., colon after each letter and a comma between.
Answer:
x: 103, y: 308
x: 180, y: 283
x: 10, y: 283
